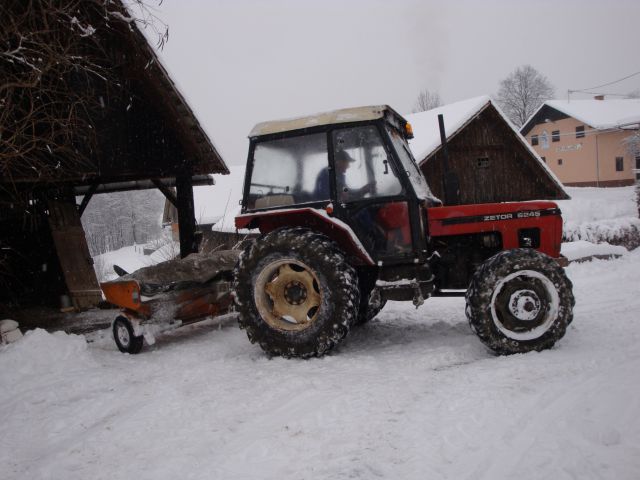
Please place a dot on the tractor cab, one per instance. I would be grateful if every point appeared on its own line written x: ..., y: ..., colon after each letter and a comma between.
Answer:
x: 351, y: 170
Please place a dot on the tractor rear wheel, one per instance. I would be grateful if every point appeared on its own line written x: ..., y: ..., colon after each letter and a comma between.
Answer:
x: 296, y: 294
x: 518, y: 301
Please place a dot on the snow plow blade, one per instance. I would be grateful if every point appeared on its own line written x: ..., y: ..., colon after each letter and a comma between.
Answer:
x: 174, y: 293
x: 125, y: 294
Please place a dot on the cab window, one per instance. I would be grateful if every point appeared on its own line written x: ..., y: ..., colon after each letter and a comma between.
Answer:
x: 285, y: 171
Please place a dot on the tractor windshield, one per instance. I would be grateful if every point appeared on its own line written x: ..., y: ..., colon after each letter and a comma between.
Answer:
x: 408, y: 163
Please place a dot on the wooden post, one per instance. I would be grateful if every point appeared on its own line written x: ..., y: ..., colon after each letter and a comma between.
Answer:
x: 186, y: 215
x: 73, y: 253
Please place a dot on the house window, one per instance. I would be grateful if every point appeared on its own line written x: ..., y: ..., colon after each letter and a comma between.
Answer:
x: 559, y: 161
x: 580, y: 131
x: 544, y: 159
x: 544, y: 140
x: 555, y: 136
x: 619, y: 164
x: 637, y: 162
x: 534, y: 140
x: 483, y: 162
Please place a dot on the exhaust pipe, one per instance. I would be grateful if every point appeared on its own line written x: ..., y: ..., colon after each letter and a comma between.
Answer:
x: 450, y: 182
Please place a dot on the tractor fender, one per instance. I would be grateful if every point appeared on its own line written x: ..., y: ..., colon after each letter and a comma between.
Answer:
x: 313, y: 218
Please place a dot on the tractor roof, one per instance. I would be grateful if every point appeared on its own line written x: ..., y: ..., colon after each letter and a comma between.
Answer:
x: 345, y: 115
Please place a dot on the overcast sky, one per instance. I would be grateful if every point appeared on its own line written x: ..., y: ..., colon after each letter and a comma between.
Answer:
x: 242, y: 62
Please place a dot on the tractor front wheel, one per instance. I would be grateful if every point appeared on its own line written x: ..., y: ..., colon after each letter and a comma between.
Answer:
x: 296, y: 294
x: 518, y: 301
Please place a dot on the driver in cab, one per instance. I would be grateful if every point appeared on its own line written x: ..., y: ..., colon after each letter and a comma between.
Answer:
x: 343, y: 162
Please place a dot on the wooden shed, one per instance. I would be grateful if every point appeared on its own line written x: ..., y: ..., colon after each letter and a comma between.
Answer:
x: 493, y: 162
x: 128, y: 127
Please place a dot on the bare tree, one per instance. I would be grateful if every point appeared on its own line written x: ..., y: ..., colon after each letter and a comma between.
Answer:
x: 426, y: 101
x: 522, y: 92
x: 58, y: 71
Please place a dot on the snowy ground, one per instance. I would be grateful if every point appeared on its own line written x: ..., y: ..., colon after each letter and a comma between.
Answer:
x: 411, y: 395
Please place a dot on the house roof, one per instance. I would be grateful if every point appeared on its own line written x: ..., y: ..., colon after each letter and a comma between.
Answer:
x: 598, y: 114
x: 457, y: 116
x: 345, y: 115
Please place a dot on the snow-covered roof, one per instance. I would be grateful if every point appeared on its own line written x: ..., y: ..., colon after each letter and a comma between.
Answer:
x: 599, y: 114
x: 426, y: 132
x: 345, y: 115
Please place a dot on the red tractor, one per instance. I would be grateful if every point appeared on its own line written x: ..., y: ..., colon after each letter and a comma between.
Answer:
x: 348, y: 222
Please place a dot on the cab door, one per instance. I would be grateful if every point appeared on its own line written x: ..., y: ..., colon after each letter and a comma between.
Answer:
x: 369, y: 192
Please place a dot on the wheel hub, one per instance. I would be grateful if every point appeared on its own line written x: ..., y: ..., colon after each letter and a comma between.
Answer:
x: 524, y: 305
x: 123, y: 335
x: 295, y: 293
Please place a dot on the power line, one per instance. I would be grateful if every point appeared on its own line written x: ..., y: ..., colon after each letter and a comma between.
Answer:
x: 605, y: 84
x: 602, y: 93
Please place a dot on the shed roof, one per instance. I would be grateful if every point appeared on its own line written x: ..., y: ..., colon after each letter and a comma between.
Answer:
x: 598, y: 114
x: 199, y: 141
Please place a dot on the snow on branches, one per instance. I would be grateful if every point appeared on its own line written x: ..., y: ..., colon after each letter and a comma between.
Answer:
x: 57, y: 67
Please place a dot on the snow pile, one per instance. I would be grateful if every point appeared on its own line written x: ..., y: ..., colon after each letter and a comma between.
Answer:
x: 600, y: 214
x: 40, y: 354
x: 130, y: 258
x: 583, y: 249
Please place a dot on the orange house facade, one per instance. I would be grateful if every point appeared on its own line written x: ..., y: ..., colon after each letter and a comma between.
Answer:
x: 588, y: 142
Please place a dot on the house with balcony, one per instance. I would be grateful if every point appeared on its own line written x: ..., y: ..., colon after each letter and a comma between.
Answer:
x: 588, y: 142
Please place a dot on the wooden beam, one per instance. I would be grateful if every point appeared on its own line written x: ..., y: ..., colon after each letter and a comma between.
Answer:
x: 87, y: 197
x: 166, y: 191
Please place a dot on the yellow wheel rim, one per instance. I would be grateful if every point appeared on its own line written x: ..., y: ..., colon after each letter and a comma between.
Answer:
x: 287, y: 294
